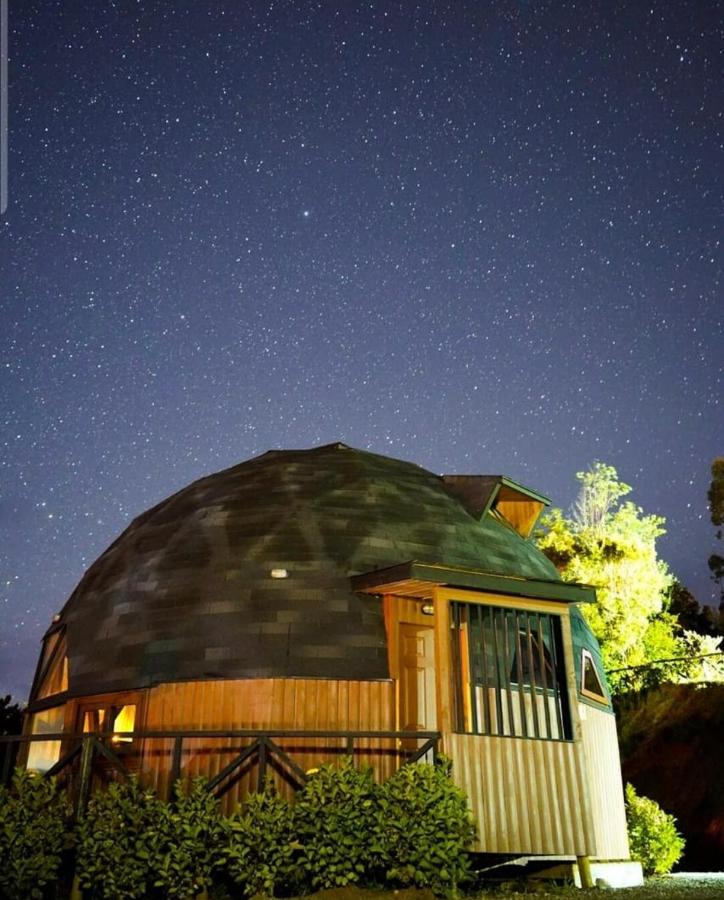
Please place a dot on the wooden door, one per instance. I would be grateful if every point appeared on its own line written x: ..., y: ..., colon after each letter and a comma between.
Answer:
x: 418, y: 710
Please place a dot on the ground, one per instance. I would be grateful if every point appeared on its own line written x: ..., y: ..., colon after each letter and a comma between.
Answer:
x: 686, y: 886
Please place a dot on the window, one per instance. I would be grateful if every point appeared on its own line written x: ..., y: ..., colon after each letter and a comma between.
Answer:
x: 509, y: 673
x: 114, y: 717
x: 52, y: 677
x: 591, y: 685
x: 111, y: 718
x: 43, y: 755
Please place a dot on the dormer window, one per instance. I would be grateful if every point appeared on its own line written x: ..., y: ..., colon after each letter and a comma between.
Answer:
x: 517, y: 506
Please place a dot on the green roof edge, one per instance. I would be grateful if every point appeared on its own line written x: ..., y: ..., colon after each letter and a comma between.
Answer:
x: 566, y: 592
x: 529, y: 492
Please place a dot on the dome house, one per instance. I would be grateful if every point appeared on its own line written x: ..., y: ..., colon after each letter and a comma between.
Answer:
x: 311, y: 603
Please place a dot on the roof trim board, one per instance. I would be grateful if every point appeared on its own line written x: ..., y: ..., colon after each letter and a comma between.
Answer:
x: 418, y: 579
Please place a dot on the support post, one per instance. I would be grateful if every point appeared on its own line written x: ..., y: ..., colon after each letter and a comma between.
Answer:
x: 584, y: 871
x: 175, y: 764
x: 86, y: 774
x: 262, y: 763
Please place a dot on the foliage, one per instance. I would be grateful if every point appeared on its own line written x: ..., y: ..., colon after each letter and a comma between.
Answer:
x: 691, y: 615
x: 334, y: 815
x: 185, y: 846
x: 259, y: 843
x: 716, y: 493
x: 116, y: 838
x: 716, y: 508
x: 11, y: 716
x: 611, y: 544
x: 11, y: 722
x: 34, y: 816
x: 653, y: 838
x: 424, y: 828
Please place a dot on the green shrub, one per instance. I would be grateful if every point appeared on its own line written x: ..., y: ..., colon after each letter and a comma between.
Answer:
x: 424, y: 828
x: 259, y: 843
x: 116, y: 842
x: 653, y: 838
x: 34, y: 829
x: 185, y: 848
x: 334, y: 815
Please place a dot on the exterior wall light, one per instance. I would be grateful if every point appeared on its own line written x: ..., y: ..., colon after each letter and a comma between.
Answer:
x: 427, y: 609
x: 279, y: 573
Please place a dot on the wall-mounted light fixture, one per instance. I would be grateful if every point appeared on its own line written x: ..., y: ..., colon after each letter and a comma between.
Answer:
x: 427, y: 609
x: 279, y: 573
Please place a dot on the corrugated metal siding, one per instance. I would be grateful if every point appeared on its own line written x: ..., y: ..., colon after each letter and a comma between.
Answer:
x: 526, y: 795
x: 603, y: 772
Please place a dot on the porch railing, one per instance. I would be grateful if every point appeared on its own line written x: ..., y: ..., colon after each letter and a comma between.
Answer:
x: 81, y: 754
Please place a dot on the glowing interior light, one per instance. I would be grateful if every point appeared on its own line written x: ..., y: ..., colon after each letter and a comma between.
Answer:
x: 124, y: 721
x: 279, y: 573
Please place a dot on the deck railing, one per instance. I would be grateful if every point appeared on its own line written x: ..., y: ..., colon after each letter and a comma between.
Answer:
x: 90, y: 760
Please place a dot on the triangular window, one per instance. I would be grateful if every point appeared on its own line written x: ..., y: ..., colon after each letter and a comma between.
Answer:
x: 590, y: 680
x: 52, y: 677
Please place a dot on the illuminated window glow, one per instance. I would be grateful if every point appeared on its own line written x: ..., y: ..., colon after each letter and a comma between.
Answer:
x: 124, y: 721
x: 53, y: 675
x: 43, y: 755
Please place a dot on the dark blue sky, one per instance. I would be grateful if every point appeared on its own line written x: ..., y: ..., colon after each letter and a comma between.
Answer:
x: 479, y: 236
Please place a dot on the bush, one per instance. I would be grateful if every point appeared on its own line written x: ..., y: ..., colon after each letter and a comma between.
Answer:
x: 116, y: 837
x: 259, y: 843
x: 185, y: 849
x: 334, y: 815
x: 653, y: 838
x: 34, y: 824
x: 424, y: 828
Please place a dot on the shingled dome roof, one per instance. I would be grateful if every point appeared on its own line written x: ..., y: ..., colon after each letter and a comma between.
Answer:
x: 186, y: 592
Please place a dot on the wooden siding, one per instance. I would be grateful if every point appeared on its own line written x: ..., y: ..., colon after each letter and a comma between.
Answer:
x: 525, y: 795
x: 521, y: 512
x: 302, y: 704
x: 603, y: 778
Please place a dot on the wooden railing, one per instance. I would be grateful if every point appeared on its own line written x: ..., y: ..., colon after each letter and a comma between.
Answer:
x: 81, y: 754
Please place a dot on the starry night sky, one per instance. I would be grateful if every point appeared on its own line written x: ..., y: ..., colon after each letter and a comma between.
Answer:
x: 478, y: 236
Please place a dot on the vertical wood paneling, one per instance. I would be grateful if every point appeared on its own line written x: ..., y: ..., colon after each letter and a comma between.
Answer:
x: 603, y: 781
x: 442, y: 662
x: 285, y: 704
x: 524, y: 794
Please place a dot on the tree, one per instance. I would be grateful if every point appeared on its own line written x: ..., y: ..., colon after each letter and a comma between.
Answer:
x: 11, y: 716
x: 690, y: 614
x: 11, y: 722
x: 611, y: 544
x: 716, y: 508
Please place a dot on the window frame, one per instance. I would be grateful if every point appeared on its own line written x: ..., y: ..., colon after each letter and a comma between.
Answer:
x: 513, y: 703
x: 54, y: 652
x: 587, y: 656
x: 111, y: 705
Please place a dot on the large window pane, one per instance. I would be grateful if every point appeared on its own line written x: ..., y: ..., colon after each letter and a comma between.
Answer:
x: 43, y: 755
x: 509, y: 674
